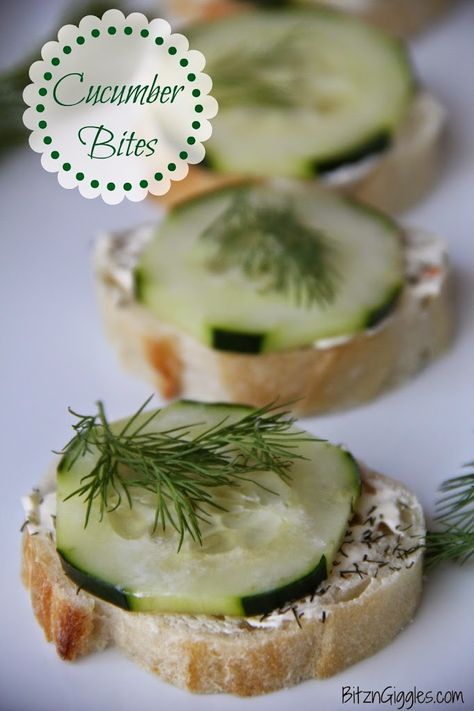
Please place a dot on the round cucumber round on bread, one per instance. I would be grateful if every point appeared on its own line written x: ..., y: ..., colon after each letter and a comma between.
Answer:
x: 257, y: 270
x: 258, y: 293
x: 301, y: 92
x: 291, y: 577
x: 314, y: 95
x: 403, y: 17
x: 264, y: 540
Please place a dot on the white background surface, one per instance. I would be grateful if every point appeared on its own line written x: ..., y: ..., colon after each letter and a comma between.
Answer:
x: 53, y: 354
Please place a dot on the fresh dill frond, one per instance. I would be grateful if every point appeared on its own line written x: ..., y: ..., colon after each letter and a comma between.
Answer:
x: 455, y: 515
x: 180, y: 467
x: 268, y: 242
x: 266, y: 74
x: 452, y: 544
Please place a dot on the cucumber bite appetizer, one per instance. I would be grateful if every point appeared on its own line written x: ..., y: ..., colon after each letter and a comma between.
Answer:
x: 400, y: 17
x: 256, y: 293
x: 315, y: 95
x: 221, y: 547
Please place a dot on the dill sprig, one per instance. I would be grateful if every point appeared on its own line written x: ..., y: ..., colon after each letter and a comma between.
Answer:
x: 455, y: 515
x: 269, y: 243
x: 180, y: 467
x: 268, y: 73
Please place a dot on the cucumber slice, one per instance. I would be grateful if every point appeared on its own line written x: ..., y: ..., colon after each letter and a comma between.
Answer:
x: 228, y: 310
x: 301, y: 90
x: 268, y: 547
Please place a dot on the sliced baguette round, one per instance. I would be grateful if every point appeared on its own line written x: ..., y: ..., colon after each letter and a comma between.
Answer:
x: 370, y: 595
x: 400, y: 17
x: 393, y: 182
x: 319, y: 378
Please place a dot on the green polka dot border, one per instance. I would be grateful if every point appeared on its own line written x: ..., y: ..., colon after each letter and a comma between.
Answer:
x: 51, y: 139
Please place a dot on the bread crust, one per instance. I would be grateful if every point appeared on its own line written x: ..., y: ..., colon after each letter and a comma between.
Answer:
x: 396, y: 180
x: 402, y: 18
x: 206, y: 655
x: 315, y: 379
x: 68, y: 622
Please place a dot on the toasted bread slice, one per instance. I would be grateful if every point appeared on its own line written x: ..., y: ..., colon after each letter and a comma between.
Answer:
x: 325, y: 376
x: 370, y: 595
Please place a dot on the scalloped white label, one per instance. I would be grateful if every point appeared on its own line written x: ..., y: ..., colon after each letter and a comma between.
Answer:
x: 119, y: 106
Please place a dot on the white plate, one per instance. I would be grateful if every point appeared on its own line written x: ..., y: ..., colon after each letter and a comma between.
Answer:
x: 54, y: 355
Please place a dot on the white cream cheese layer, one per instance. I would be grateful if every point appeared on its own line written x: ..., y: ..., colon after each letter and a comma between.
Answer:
x: 40, y: 505
x: 382, y: 537
x: 425, y: 270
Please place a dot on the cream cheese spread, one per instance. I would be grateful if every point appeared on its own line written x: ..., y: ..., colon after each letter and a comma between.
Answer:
x: 425, y: 270
x: 379, y: 539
